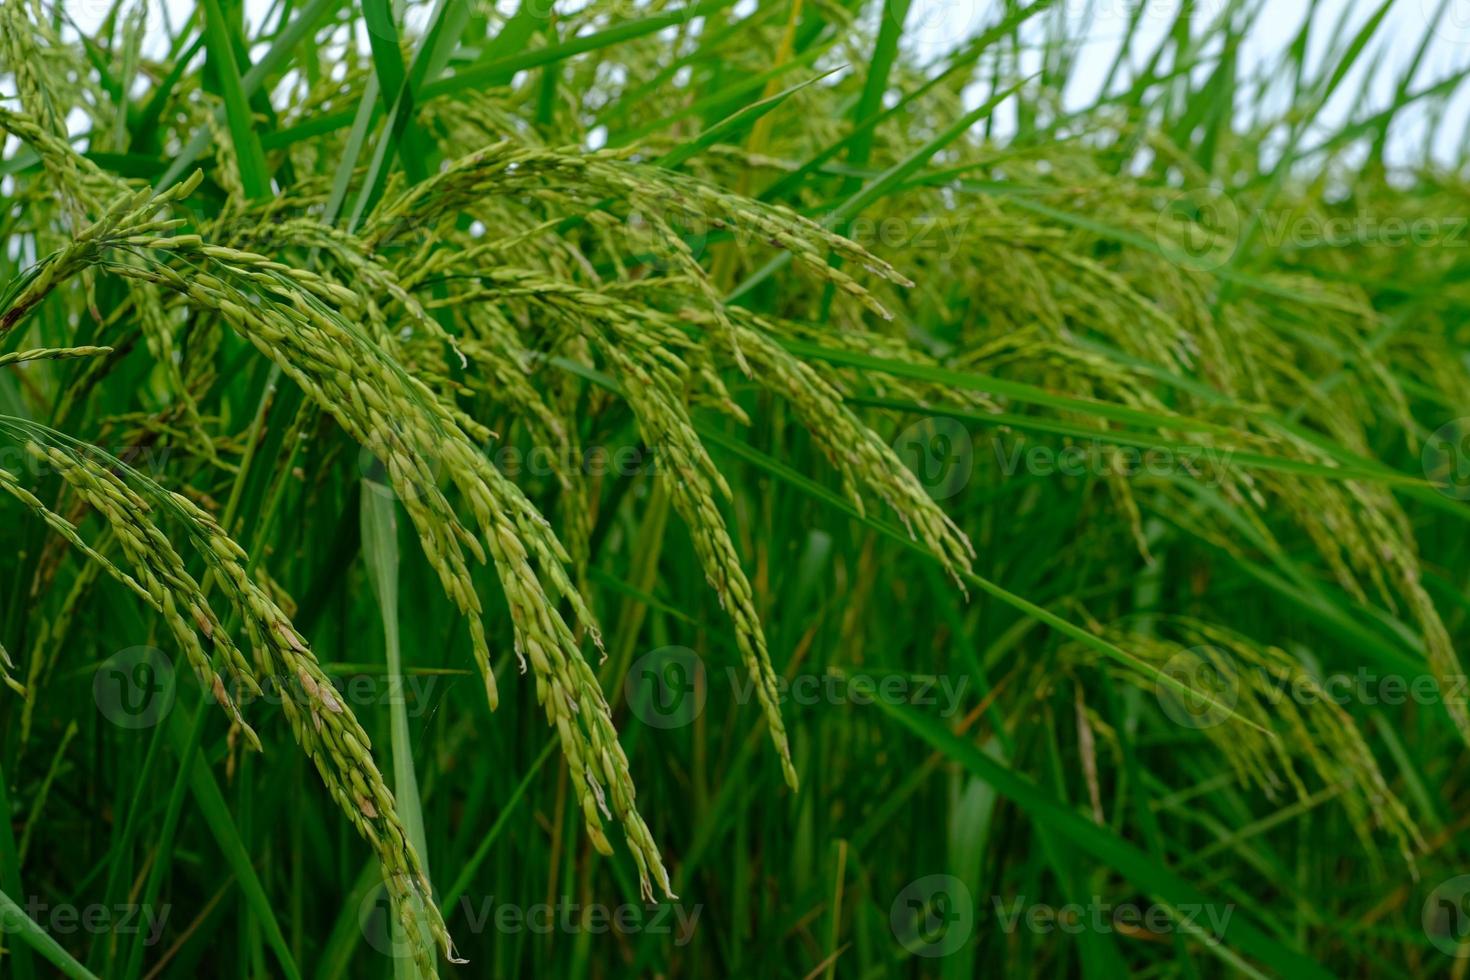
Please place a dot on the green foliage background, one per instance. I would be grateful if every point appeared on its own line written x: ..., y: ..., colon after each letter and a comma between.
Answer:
x: 708, y: 423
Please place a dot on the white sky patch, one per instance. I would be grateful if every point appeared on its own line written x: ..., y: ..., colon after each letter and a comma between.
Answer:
x: 935, y: 27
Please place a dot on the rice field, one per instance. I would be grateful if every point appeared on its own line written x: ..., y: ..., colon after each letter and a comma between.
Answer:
x: 777, y: 488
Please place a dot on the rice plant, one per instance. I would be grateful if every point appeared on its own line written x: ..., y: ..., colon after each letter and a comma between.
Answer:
x: 731, y: 489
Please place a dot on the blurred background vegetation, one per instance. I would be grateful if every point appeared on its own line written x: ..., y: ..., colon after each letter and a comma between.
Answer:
x: 1184, y: 357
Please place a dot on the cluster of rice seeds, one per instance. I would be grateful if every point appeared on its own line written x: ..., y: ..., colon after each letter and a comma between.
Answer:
x: 1149, y: 306
x: 1317, y: 732
x: 158, y: 332
x: 21, y: 54
x: 161, y: 572
x: 382, y: 408
x: 160, y: 578
x: 6, y: 666
x: 645, y: 350
x: 651, y: 356
x: 568, y: 691
x: 130, y: 220
x: 42, y: 69
x: 1359, y: 531
x: 666, y: 201
x: 654, y: 393
x: 412, y: 431
x: 369, y: 279
x: 859, y: 455
x: 1362, y: 533
x: 502, y: 371
x: 1334, y: 514
x: 329, y: 733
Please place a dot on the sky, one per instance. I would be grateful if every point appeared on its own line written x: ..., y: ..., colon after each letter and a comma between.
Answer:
x: 934, y: 26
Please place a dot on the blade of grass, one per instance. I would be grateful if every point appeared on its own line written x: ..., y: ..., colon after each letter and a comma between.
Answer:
x: 448, y: 22
x: 1147, y: 440
x: 380, y: 554
x: 959, y: 61
x: 249, y: 156
x: 884, y: 183
x: 15, y: 922
x: 280, y: 49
